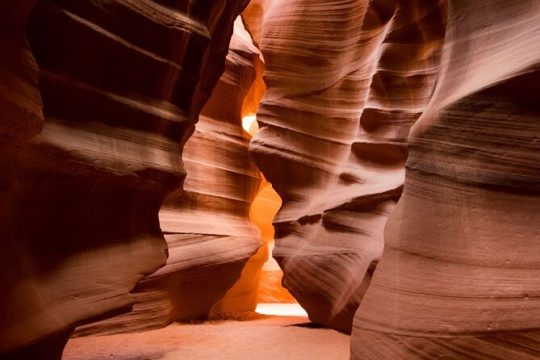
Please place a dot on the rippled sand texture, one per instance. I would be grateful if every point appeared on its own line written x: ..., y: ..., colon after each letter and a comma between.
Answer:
x: 460, y: 273
x: 345, y: 83
x: 122, y: 84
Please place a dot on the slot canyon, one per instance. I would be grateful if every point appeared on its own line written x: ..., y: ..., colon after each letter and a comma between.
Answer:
x: 262, y: 179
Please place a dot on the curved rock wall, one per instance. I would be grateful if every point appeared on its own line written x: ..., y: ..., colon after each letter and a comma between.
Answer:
x: 21, y: 116
x: 460, y: 273
x: 122, y: 84
x: 219, y: 193
x: 206, y: 225
x: 345, y: 83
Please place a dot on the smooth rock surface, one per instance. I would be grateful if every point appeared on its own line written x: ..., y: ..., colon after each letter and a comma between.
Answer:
x: 344, y: 84
x: 459, y: 277
x: 206, y: 224
x: 122, y: 84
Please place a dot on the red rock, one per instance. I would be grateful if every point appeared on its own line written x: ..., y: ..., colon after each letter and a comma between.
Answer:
x: 345, y: 83
x: 89, y: 152
x: 459, y: 276
x: 206, y: 224
x: 122, y: 85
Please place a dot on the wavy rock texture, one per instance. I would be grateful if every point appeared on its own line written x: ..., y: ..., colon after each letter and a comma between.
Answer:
x: 21, y: 116
x: 211, y: 218
x: 460, y: 274
x: 253, y: 16
x: 122, y: 84
x: 207, y: 227
x: 262, y: 213
x: 345, y: 83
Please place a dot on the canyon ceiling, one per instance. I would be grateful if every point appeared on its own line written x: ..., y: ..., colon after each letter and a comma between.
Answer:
x: 402, y: 137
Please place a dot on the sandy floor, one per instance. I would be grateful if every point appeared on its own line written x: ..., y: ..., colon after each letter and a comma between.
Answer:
x: 260, y: 338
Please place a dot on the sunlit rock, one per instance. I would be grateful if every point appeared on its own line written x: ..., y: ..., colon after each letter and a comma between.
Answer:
x: 344, y: 85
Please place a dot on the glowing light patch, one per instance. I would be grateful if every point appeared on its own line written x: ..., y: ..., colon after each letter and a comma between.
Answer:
x: 281, y: 310
x: 250, y: 125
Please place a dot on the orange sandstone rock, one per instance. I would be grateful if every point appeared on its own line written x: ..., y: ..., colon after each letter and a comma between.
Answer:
x: 206, y: 224
x: 344, y: 84
x: 122, y: 84
x: 459, y: 276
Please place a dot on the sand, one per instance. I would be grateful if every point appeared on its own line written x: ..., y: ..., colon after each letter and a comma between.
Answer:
x: 256, y: 336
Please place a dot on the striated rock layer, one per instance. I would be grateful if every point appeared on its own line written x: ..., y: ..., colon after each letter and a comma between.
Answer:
x: 122, y: 84
x: 460, y: 273
x: 211, y: 217
x: 207, y: 227
x: 345, y: 83
x: 21, y: 116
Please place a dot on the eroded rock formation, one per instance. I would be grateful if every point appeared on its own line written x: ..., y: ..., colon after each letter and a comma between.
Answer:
x: 93, y: 120
x: 206, y: 225
x: 345, y: 83
x: 122, y: 84
x: 459, y: 277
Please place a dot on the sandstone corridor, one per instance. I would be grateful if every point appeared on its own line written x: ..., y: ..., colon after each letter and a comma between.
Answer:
x: 146, y: 146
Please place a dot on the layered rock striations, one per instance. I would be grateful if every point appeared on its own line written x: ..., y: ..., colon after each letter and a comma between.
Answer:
x: 219, y: 193
x: 21, y: 116
x: 122, y: 84
x: 253, y: 17
x: 459, y: 277
x: 345, y: 83
x: 206, y: 225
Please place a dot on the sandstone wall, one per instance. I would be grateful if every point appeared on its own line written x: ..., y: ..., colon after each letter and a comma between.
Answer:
x: 459, y: 277
x: 206, y: 224
x: 122, y: 84
x: 345, y: 83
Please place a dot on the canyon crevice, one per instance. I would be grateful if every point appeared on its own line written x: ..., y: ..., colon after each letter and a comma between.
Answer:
x: 206, y: 223
x: 401, y: 138
x: 334, y: 145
